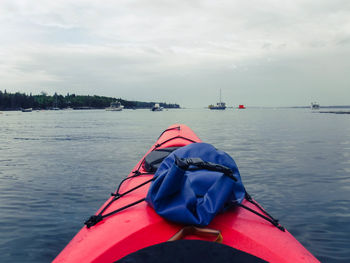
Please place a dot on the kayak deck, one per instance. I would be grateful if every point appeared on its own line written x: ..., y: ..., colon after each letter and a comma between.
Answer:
x: 139, y: 226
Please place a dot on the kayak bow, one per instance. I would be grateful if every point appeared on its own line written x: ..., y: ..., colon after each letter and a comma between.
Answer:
x: 139, y: 227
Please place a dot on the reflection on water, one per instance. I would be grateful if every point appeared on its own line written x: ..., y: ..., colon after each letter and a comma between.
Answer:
x: 58, y: 167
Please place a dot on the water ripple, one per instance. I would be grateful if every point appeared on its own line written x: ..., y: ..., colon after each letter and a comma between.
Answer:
x: 56, y: 169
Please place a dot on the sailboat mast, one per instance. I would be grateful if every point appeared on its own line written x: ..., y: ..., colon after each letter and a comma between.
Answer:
x: 220, y: 96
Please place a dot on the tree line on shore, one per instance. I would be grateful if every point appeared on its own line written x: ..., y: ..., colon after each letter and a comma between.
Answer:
x: 16, y: 101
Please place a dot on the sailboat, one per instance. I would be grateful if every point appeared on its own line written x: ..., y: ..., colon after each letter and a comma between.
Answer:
x: 219, y: 106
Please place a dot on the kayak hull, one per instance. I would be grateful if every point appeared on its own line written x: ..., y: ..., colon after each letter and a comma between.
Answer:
x: 139, y: 226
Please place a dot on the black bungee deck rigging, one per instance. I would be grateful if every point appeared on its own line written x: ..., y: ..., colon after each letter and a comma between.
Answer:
x: 94, y: 219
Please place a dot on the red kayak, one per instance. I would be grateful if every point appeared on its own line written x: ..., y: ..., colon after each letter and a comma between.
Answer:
x: 139, y: 228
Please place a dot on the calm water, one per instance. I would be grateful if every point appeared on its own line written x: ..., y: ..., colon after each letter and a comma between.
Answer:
x: 58, y: 167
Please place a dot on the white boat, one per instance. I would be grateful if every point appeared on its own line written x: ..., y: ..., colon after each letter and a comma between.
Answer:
x: 27, y: 110
x: 115, y: 106
x: 315, y: 106
x: 156, y: 107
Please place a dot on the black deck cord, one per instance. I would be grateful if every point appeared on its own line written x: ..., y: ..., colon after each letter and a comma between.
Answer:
x: 160, y: 144
x: 176, y: 137
x: 268, y: 217
x: 93, y: 220
x: 250, y: 199
x: 170, y: 129
x: 137, y: 173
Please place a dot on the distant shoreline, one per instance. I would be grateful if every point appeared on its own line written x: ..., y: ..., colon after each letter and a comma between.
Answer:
x: 78, y: 108
x: 336, y: 112
x: 18, y: 101
x: 323, y: 107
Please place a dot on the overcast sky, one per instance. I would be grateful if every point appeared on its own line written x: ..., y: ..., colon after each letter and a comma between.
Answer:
x: 259, y: 53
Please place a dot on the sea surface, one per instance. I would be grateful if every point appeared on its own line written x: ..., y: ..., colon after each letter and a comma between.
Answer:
x: 58, y: 167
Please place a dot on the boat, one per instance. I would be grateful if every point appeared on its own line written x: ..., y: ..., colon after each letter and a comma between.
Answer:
x: 219, y: 106
x: 115, y: 106
x: 129, y: 227
x: 315, y: 106
x: 241, y: 107
x: 156, y: 107
x: 27, y: 110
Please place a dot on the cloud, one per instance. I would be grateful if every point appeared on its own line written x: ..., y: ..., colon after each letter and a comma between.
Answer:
x: 157, y: 49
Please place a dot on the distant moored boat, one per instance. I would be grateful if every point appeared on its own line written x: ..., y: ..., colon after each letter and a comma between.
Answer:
x: 27, y: 110
x: 315, y: 106
x: 219, y: 106
x: 156, y: 107
x: 115, y: 106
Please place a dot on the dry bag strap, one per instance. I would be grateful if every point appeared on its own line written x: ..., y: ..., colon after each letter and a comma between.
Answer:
x: 192, y: 230
x: 186, y: 163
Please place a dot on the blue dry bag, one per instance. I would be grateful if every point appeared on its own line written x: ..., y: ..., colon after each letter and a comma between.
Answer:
x: 194, y: 183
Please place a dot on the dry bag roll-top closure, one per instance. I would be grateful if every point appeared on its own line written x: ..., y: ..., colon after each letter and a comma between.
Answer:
x: 194, y: 183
